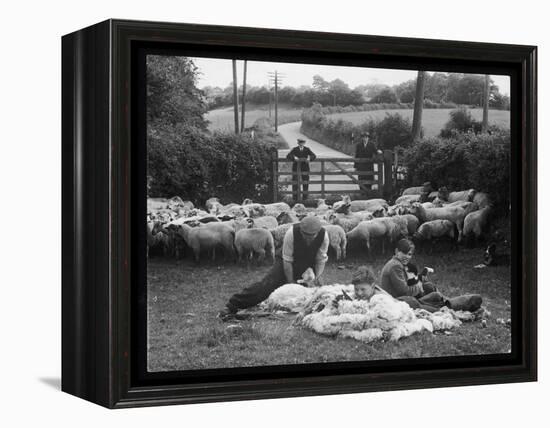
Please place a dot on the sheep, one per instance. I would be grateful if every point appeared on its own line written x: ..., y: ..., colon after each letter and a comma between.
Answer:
x: 254, y: 210
x: 276, y: 208
x: 287, y: 217
x: 322, y: 207
x: 411, y: 222
x: 347, y: 222
x: 265, y: 222
x: 455, y: 214
x: 482, y: 200
x: 407, y: 199
x: 255, y: 241
x: 208, y: 237
x: 418, y: 190
x: 475, y: 223
x: 213, y: 205
x: 279, y: 232
x: 368, y: 230
x: 154, y: 238
x: 337, y: 240
x: 464, y: 195
x: 435, y: 230
x: 372, y: 205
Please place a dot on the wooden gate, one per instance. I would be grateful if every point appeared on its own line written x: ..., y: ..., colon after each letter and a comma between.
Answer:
x: 334, y: 176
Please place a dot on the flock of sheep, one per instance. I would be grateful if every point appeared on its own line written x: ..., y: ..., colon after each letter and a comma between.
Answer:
x: 243, y: 231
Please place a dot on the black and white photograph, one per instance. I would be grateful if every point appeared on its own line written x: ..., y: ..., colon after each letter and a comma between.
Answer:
x: 308, y: 213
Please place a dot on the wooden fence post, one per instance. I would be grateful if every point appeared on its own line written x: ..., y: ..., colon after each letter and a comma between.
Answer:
x: 299, y: 180
x: 388, y: 174
x: 274, y: 173
x: 323, y: 179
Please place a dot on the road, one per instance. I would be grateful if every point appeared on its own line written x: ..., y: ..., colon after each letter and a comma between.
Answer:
x: 291, y: 132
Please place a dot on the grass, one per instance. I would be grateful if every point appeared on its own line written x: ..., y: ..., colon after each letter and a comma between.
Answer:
x: 184, y: 333
x: 433, y: 120
x: 223, y: 119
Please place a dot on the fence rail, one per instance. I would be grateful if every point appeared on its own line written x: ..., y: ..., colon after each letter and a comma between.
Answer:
x: 333, y: 176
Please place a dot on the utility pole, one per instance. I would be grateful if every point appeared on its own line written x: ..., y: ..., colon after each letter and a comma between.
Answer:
x: 276, y: 78
x: 244, y: 95
x: 235, y: 97
x: 418, y: 105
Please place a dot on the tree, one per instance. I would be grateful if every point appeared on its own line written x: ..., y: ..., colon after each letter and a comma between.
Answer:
x: 172, y: 94
x: 320, y: 84
x: 486, y: 94
x: 418, y: 105
x: 386, y: 95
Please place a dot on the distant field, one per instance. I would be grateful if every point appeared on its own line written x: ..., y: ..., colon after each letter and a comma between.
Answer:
x: 223, y: 119
x: 433, y: 120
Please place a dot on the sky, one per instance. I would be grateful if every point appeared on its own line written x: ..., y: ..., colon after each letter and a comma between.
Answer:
x: 219, y: 72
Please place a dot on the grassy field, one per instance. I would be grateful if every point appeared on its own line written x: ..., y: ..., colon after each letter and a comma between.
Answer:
x: 433, y: 120
x: 184, y: 333
x: 223, y: 119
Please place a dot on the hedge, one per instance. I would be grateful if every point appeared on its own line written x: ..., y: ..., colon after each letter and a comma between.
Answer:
x: 463, y: 161
x: 197, y: 165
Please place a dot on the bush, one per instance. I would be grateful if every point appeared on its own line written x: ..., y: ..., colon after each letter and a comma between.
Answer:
x: 465, y: 161
x: 461, y: 121
x: 196, y: 165
x: 394, y: 130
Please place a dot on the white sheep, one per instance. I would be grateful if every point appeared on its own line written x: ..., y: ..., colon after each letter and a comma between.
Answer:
x: 265, y: 222
x: 367, y: 231
x: 346, y: 221
x: 287, y: 217
x: 279, y: 233
x: 208, y: 237
x: 249, y: 242
x: 213, y: 205
x: 482, y: 199
x: 411, y: 222
x: 337, y: 240
x: 375, y: 206
x: 435, y: 230
x: 276, y: 208
x: 418, y: 190
x: 463, y: 195
x: 455, y: 214
x: 407, y: 199
x: 475, y: 223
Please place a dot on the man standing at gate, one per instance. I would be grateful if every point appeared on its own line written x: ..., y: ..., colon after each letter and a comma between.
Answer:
x: 365, y: 149
x: 300, y: 155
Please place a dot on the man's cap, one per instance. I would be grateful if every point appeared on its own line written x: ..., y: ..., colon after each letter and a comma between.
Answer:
x: 301, y: 140
x: 365, y: 134
x: 310, y: 225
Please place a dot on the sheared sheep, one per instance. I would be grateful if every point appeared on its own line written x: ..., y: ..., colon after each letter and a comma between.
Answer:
x: 337, y: 240
x: 254, y: 241
x: 475, y: 223
x: 463, y: 195
x: 455, y: 214
x: 369, y: 230
x: 435, y: 230
x: 208, y: 237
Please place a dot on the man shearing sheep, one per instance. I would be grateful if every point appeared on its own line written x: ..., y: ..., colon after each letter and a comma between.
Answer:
x: 304, y: 246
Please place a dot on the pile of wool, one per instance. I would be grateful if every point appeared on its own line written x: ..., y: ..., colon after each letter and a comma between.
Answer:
x: 288, y: 298
x: 366, y: 320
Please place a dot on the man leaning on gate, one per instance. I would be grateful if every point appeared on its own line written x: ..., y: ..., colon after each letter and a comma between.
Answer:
x: 300, y: 155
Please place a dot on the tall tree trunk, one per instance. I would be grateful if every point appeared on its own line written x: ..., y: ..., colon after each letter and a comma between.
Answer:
x: 244, y: 95
x: 486, y: 94
x: 418, y: 105
x: 235, y: 97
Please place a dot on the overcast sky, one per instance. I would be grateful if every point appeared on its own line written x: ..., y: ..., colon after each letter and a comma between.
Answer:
x: 219, y: 72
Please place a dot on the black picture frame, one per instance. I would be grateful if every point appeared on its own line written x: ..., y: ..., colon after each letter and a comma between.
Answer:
x: 103, y: 195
